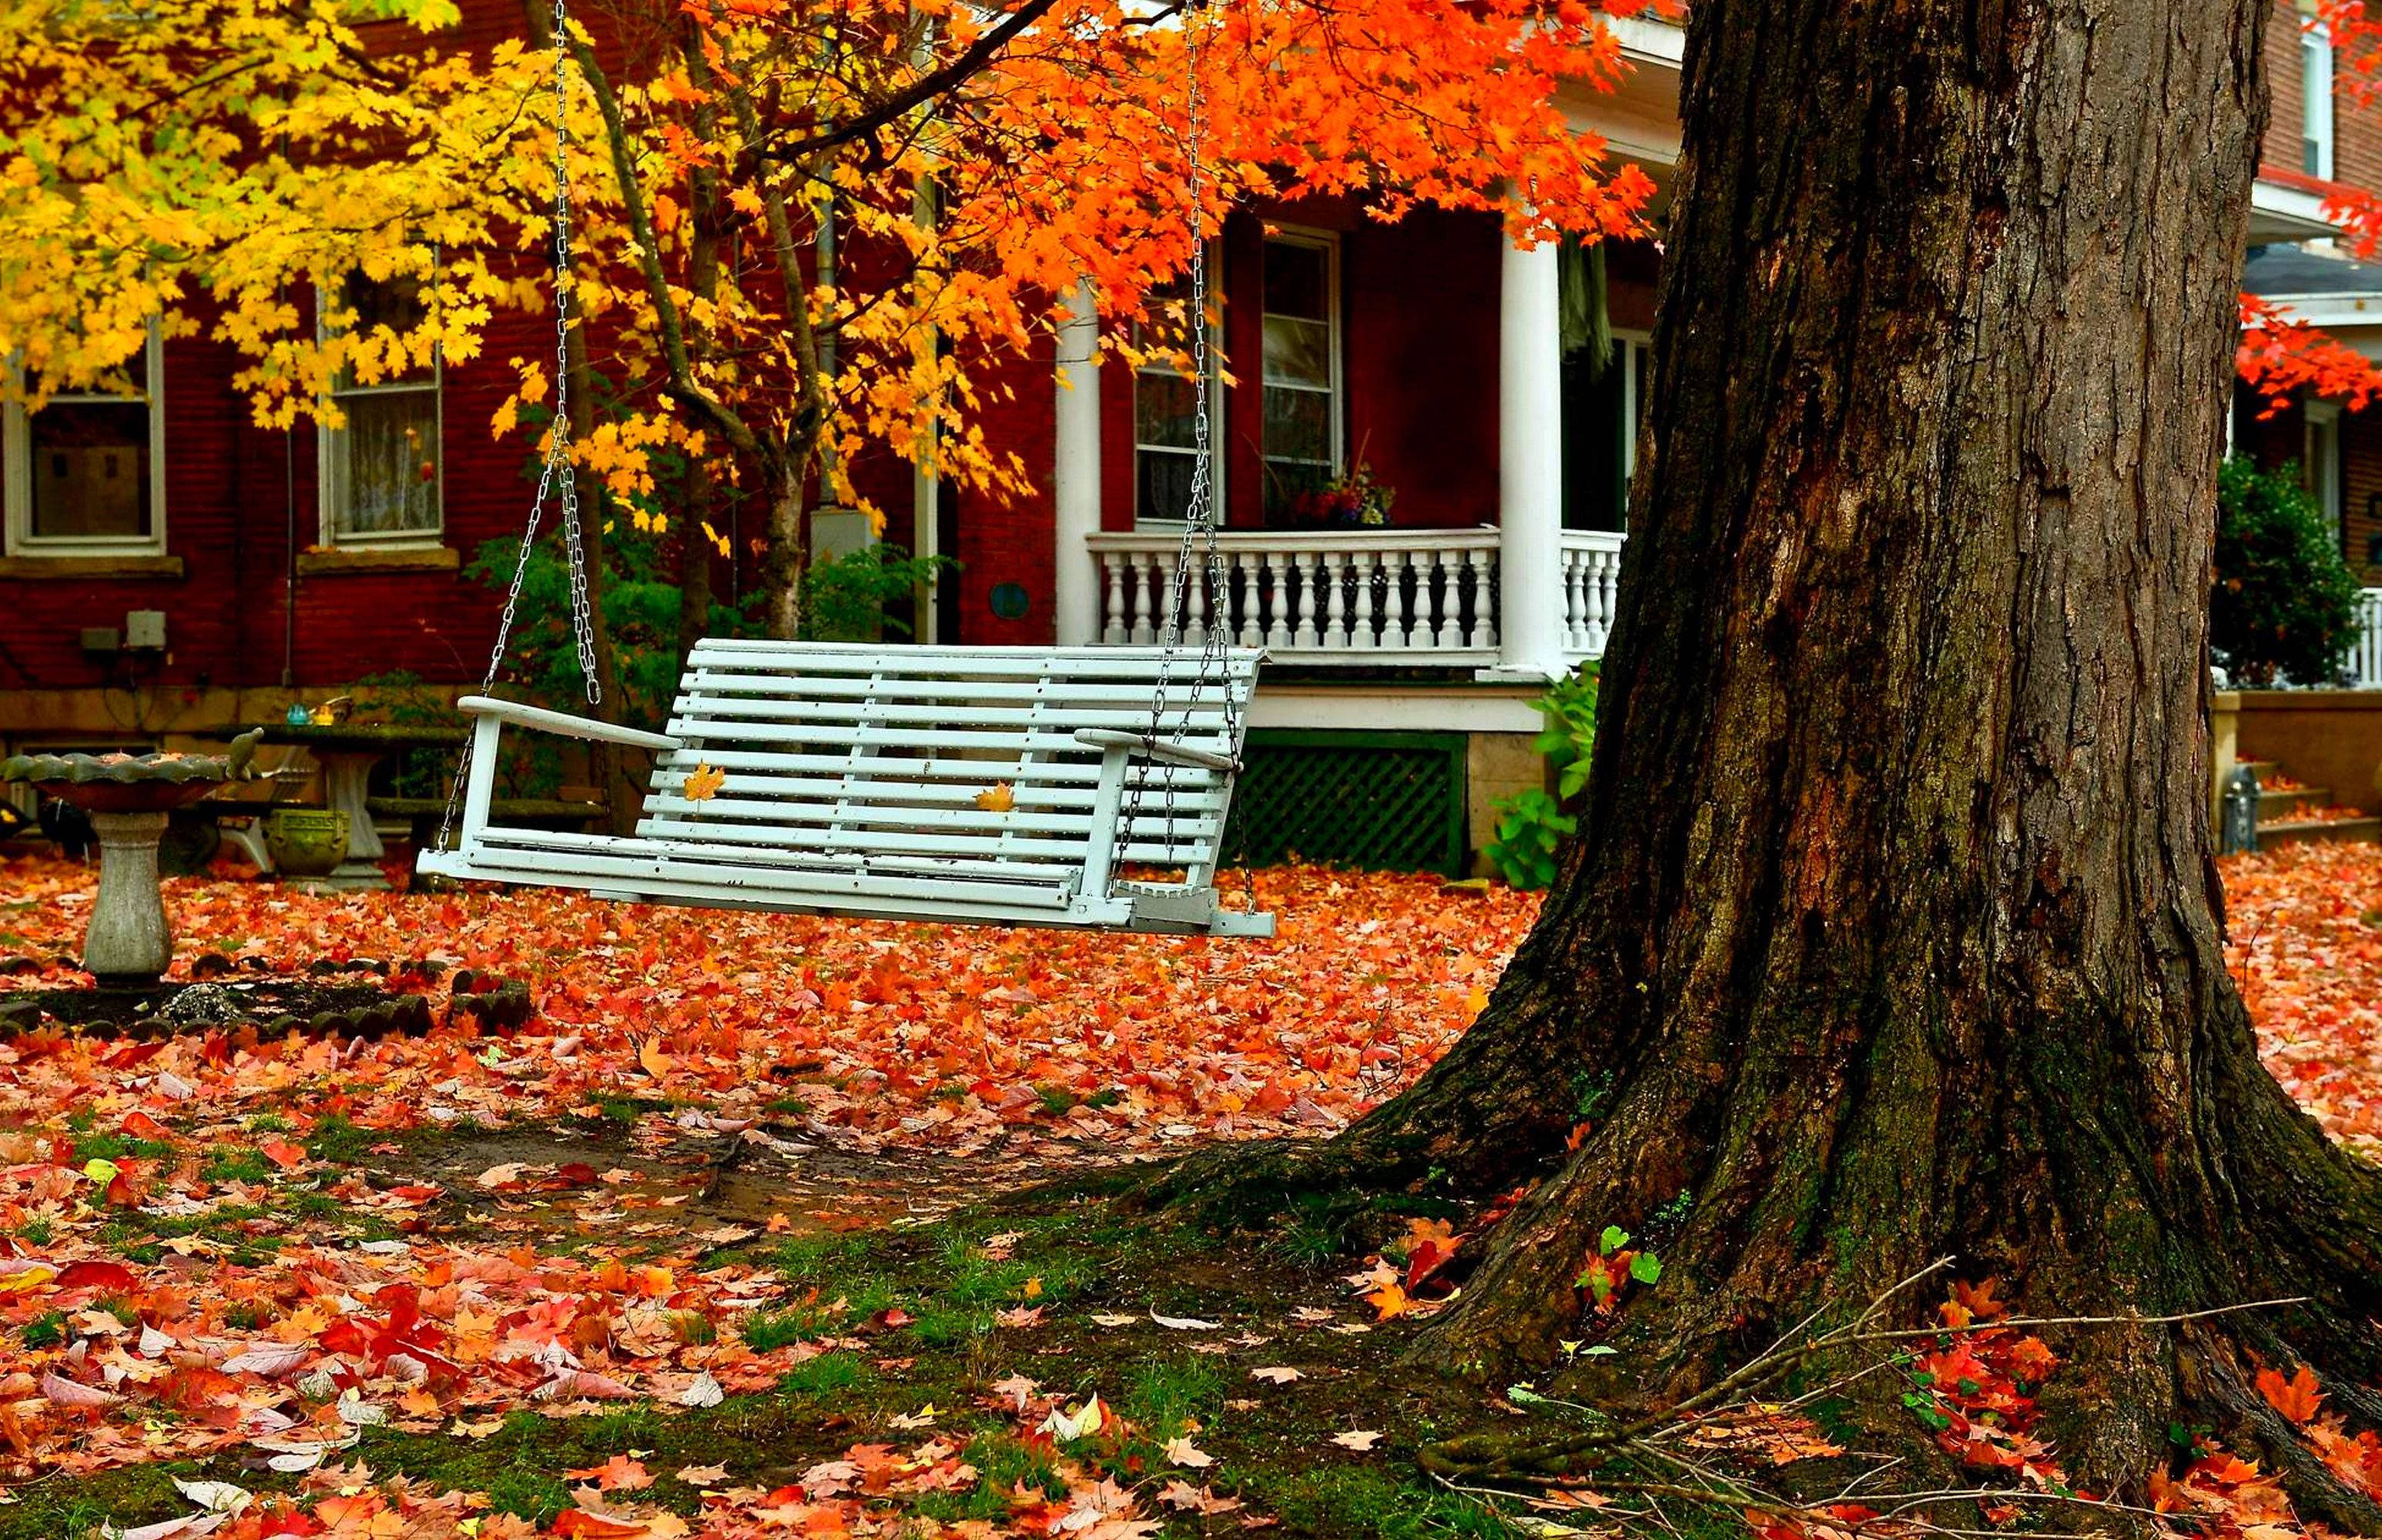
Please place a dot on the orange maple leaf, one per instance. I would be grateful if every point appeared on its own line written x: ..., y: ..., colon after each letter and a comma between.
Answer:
x: 655, y: 1062
x: 1000, y: 797
x: 702, y: 783
x: 619, y: 1473
x: 1977, y: 1299
x: 2296, y: 1398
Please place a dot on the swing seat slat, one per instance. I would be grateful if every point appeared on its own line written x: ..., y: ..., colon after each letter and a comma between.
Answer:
x: 972, y: 785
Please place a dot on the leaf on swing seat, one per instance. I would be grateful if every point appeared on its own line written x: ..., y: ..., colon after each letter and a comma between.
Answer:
x: 1001, y: 798
x: 703, y: 784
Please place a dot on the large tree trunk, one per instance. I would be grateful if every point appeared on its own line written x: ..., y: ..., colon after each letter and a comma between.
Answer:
x: 1891, y: 932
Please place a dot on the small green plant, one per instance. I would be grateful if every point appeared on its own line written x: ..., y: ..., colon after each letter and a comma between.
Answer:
x: 861, y: 594
x: 2285, y: 604
x: 1530, y: 828
x: 1532, y: 825
x: 1613, y: 1263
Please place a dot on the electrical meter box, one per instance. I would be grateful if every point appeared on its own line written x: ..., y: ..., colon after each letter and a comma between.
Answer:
x: 144, y: 629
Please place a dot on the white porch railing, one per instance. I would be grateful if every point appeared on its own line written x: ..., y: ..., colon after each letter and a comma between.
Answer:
x: 1350, y: 597
x: 2365, y: 653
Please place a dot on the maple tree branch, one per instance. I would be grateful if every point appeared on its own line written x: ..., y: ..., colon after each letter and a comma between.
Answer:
x: 731, y: 427
x: 918, y: 93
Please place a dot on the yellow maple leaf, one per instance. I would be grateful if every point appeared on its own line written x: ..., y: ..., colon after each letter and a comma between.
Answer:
x: 1000, y: 798
x: 703, y: 784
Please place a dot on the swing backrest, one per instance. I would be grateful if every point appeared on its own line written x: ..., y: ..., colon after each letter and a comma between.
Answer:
x: 958, y: 759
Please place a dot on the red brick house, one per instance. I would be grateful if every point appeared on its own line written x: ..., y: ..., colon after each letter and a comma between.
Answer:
x: 286, y: 565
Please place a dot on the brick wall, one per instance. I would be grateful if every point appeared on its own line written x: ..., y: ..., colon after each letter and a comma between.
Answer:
x: 2357, y: 129
x: 2282, y: 145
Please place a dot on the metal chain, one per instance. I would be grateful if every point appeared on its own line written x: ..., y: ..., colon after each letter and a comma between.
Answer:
x: 557, y: 467
x: 1199, y: 515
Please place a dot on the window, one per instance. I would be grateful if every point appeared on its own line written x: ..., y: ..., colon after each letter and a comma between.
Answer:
x: 1302, y: 368
x: 2315, y: 102
x: 2322, y: 466
x: 382, y: 471
x: 85, y: 474
x: 1166, y: 413
x: 1601, y: 413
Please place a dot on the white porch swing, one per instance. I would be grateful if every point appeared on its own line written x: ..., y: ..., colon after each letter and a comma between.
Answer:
x: 984, y: 785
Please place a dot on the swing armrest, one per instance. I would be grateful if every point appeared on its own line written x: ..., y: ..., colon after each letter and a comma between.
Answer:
x: 557, y: 722
x: 1142, y: 743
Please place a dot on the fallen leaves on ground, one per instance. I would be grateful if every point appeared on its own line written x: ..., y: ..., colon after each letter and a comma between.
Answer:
x: 251, y: 1329
x: 2304, y: 939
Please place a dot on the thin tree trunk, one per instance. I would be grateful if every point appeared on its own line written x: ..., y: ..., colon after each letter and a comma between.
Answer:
x: 789, y: 553
x: 1892, y: 931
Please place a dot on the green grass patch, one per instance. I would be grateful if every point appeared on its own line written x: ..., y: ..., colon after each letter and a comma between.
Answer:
x: 1165, y: 1396
x: 827, y: 1374
x: 230, y: 1165
x: 1342, y: 1500
x: 337, y: 1141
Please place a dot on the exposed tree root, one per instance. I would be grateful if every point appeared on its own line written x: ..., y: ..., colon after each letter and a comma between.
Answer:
x: 1855, y: 1358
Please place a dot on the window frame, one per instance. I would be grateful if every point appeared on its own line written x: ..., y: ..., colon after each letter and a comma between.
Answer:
x: 17, y: 468
x: 330, y: 463
x: 1636, y: 350
x: 1216, y: 456
x: 2320, y: 430
x: 2318, y: 139
x: 1329, y: 242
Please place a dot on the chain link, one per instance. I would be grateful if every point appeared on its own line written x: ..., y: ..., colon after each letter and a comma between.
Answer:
x: 1200, y: 519
x: 557, y: 469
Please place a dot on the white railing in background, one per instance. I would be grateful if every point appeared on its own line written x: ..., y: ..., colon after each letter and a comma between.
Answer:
x: 1351, y: 597
x: 1592, y: 565
x: 2365, y: 653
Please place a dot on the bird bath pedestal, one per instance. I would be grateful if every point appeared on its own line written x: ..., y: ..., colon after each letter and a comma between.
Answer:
x: 127, y: 797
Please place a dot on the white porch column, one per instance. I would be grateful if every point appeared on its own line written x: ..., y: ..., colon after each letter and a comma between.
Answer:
x: 1075, y: 483
x: 1529, y: 465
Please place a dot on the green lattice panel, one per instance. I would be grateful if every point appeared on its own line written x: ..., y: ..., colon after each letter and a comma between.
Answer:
x: 1388, y: 802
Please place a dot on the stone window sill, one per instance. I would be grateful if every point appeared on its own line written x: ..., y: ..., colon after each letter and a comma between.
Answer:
x: 400, y: 558
x: 84, y: 568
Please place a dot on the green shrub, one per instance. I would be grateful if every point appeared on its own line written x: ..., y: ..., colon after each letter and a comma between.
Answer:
x: 1533, y: 826
x: 2285, y: 604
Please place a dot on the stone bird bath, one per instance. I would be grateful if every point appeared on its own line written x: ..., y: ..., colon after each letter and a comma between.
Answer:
x: 127, y: 797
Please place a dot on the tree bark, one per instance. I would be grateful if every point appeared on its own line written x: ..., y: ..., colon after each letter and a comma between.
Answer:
x: 1892, y: 931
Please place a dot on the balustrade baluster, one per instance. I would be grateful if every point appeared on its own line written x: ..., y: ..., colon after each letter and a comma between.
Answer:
x: 1364, y: 567
x: 1302, y: 629
x: 1113, y: 626
x: 1335, y: 600
x: 1194, y: 604
x: 1277, y: 602
x: 1576, y: 579
x: 1161, y: 569
x: 1394, y: 600
x: 1484, y: 598
x: 1600, y: 600
x: 1426, y: 627
x: 1137, y: 581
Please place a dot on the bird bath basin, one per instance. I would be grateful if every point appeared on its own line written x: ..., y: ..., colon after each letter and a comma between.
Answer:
x: 127, y: 797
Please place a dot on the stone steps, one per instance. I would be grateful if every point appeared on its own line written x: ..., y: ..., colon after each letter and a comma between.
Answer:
x: 2285, y: 814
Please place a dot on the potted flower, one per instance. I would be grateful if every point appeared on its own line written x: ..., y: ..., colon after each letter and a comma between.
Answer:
x: 1351, y: 499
